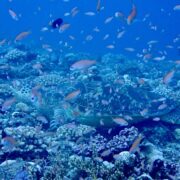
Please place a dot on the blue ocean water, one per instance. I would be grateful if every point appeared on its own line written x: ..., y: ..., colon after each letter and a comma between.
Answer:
x: 36, y: 14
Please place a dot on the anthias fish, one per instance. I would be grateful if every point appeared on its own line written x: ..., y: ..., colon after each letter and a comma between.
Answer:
x: 82, y: 64
x: 136, y: 143
x: 98, y: 7
x: 120, y: 121
x: 176, y: 8
x: 64, y: 27
x: 132, y: 15
x: 8, y: 103
x: 13, y: 15
x: 22, y: 35
x: 9, y: 142
x: 168, y: 77
x: 72, y: 95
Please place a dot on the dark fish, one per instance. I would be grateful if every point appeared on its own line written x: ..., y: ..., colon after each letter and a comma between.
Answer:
x: 57, y: 23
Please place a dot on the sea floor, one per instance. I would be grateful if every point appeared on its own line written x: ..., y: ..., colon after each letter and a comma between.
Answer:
x: 79, y: 116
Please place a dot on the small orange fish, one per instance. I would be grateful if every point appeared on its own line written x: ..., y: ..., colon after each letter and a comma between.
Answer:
x: 169, y: 46
x: 101, y: 122
x: 22, y: 35
x: 156, y: 119
x: 96, y: 29
x: 159, y: 58
x: 119, y: 15
x: 147, y: 56
x: 72, y: 37
x: 2, y: 42
x: 168, y: 77
x: 106, y: 153
x: 8, y: 103
x: 90, y: 13
x: 127, y: 117
x: 82, y: 64
x: 47, y: 47
x: 144, y: 112
x: 177, y: 62
x: 110, y: 130
x: 129, y: 49
x: 162, y: 106
x: 72, y: 95
x: 81, y: 178
x: 42, y: 119
x: 108, y: 20
x: 9, y: 142
x: 106, y: 37
x: 5, y: 67
x: 116, y: 156
x: 132, y: 15
x: 141, y: 81
x: 89, y: 37
x: 120, y: 34
x: 136, y: 143
x: 99, y: 159
x: 74, y: 11
x: 120, y: 121
x: 13, y: 15
x: 37, y: 66
x: 98, y: 7
x: 176, y: 8
x: 10, y: 139
x: 76, y: 113
x: 104, y: 102
x: 64, y: 27
x: 110, y: 46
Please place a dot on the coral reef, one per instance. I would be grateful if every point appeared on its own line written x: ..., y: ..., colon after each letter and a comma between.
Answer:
x: 100, y: 144
x: 73, y: 132
x: 27, y: 139
x: 45, y: 135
